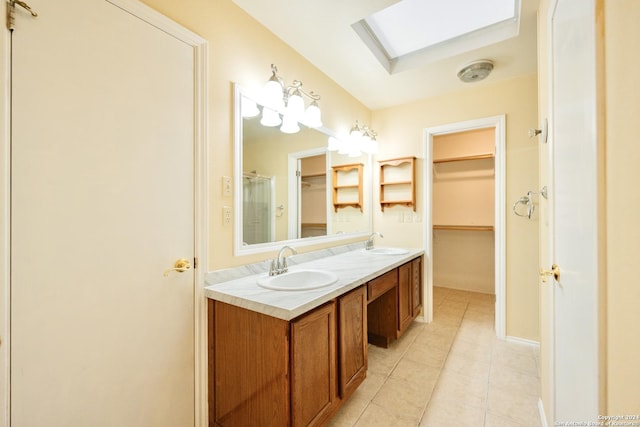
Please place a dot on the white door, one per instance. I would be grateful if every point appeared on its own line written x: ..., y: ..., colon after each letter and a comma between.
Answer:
x: 102, y: 204
x: 574, y: 211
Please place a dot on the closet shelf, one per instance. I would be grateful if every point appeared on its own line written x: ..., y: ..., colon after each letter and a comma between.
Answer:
x: 314, y: 175
x: 397, y: 183
x: 463, y: 158
x: 313, y: 224
x: 464, y: 227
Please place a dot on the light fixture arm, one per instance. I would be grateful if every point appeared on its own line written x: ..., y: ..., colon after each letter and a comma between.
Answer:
x: 296, y: 86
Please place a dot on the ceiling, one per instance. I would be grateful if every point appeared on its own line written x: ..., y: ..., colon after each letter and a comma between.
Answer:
x: 321, y: 31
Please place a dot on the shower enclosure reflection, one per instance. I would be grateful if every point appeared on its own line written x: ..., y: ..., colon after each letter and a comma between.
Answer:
x: 258, y: 212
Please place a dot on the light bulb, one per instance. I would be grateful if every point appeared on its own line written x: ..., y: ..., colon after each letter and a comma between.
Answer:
x: 270, y: 117
x: 272, y: 94
x: 295, y: 106
x: 312, y: 116
x: 334, y: 144
x: 289, y: 124
x: 373, y: 147
x: 354, y: 149
x: 355, y: 132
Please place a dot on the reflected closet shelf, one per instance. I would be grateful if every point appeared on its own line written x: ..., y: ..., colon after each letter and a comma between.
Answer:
x: 463, y: 158
x: 464, y: 227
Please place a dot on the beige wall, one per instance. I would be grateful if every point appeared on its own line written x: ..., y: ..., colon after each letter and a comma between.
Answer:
x: 622, y: 50
x: 241, y: 50
x: 401, y: 131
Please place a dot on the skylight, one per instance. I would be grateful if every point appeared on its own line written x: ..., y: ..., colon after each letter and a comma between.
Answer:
x: 412, y: 26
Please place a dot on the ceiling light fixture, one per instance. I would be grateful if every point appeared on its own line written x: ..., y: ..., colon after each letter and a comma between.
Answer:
x: 475, y: 71
x: 361, y: 139
x: 280, y: 99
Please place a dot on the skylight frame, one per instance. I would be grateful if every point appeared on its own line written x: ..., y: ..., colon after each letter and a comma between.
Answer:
x: 475, y: 39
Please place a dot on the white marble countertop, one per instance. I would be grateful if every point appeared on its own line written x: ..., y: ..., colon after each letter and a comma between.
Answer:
x: 353, y: 268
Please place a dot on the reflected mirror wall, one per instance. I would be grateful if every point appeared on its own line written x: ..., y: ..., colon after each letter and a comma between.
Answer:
x: 284, y: 187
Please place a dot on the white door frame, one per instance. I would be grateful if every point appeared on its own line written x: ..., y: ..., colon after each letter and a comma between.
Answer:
x: 293, y: 191
x: 548, y: 413
x: 498, y: 123
x: 5, y: 209
x: 200, y: 209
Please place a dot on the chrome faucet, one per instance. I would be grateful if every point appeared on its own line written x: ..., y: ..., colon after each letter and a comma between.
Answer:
x: 369, y: 243
x: 279, y: 265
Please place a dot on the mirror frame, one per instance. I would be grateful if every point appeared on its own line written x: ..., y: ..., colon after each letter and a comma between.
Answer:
x: 239, y: 248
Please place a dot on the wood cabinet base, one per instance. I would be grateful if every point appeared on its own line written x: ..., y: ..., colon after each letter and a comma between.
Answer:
x: 271, y: 372
x: 395, y: 300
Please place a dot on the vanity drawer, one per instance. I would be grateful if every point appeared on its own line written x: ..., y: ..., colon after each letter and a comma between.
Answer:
x: 382, y: 284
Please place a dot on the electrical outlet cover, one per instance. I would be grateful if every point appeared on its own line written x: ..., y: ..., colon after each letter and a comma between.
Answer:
x: 226, y: 215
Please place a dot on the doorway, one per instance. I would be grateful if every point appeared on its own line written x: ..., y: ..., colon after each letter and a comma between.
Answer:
x: 308, y: 193
x: 497, y: 125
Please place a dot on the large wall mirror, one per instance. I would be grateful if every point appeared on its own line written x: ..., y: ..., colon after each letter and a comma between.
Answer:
x: 284, y: 185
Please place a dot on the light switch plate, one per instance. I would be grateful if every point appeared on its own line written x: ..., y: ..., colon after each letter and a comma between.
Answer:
x: 226, y: 186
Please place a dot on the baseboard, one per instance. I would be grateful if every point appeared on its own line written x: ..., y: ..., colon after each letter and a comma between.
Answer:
x: 453, y: 288
x: 519, y: 340
x: 543, y: 417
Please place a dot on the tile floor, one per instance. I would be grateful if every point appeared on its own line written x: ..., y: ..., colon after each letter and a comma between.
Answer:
x: 451, y: 372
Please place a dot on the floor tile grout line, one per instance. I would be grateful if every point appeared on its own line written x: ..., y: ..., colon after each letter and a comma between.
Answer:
x: 454, y: 338
x: 386, y: 378
x: 424, y: 411
x: 486, y: 397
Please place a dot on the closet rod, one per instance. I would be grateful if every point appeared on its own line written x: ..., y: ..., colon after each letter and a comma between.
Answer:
x: 464, y: 227
x: 461, y: 158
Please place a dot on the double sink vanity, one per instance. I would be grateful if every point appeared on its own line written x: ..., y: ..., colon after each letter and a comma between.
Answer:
x: 289, y: 349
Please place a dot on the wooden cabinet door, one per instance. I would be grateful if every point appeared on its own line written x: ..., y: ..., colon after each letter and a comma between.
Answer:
x: 416, y: 287
x: 352, y: 333
x: 404, y: 297
x: 314, y: 391
x: 248, y: 368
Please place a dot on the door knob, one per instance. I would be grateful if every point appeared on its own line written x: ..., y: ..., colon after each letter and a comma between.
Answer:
x: 555, y: 272
x: 180, y: 266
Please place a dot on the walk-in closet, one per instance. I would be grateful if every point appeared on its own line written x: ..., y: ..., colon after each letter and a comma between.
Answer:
x: 463, y: 210
x: 313, y: 190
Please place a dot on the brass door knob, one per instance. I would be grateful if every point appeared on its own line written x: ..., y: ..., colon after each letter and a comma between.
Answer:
x: 555, y: 272
x: 180, y: 266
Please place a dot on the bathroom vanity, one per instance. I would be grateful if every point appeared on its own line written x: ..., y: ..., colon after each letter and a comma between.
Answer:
x: 291, y: 358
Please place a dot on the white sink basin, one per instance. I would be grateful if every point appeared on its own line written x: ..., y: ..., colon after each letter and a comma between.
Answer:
x: 387, y: 251
x: 298, y: 280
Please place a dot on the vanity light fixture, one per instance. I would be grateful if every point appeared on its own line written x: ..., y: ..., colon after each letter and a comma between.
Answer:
x: 279, y: 98
x: 361, y: 139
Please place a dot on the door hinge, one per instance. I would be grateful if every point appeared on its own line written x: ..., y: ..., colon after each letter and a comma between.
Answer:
x: 298, y: 173
x: 11, y: 12
x: 195, y: 262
